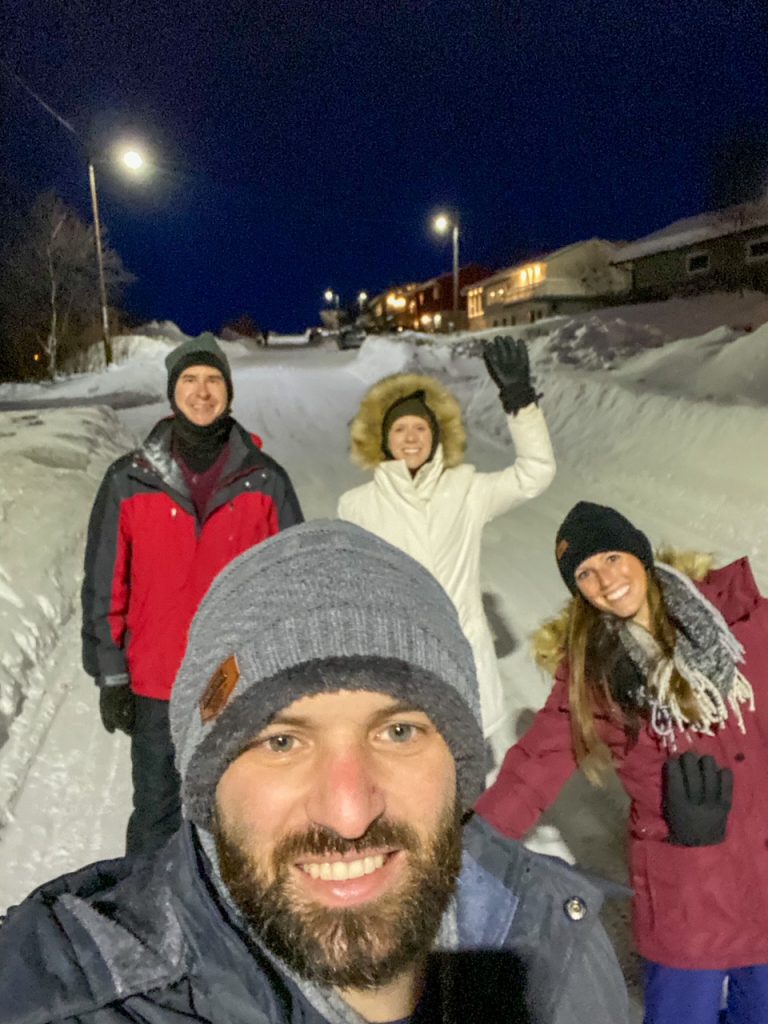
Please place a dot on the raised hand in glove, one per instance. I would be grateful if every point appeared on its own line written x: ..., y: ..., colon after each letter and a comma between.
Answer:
x: 506, y: 359
x: 117, y: 707
x: 697, y: 796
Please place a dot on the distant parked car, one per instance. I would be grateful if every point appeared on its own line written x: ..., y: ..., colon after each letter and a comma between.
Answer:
x: 350, y: 337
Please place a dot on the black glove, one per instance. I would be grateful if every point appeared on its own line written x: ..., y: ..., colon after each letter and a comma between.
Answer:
x: 117, y: 707
x: 697, y: 797
x: 506, y: 360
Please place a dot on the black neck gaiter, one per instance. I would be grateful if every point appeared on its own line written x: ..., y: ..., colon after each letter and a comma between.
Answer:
x: 198, y: 446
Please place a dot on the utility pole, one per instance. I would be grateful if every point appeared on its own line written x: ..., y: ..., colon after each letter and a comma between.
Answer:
x: 100, y: 264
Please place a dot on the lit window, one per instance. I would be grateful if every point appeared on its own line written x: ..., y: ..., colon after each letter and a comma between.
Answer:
x: 475, y: 302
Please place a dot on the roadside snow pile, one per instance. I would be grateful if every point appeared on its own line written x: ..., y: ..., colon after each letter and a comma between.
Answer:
x: 721, y: 366
x: 52, y: 462
x: 677, y: 433
x: 380, y: 355
x: 597, y: 343
x: 163, y: 329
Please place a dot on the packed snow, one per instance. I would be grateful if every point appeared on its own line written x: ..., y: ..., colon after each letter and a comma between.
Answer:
x: 669, y: 428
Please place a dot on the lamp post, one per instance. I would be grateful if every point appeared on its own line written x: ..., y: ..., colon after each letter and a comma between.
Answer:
x: 441, y: 223
x: 133, y: 160
x: 332, y: 298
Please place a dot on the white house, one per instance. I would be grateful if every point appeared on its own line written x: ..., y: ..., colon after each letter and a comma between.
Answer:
x: 575, y: 278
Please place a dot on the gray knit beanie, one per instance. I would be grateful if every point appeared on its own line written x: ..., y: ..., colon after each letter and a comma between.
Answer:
x: 203, y: 350
x: 321, y: 607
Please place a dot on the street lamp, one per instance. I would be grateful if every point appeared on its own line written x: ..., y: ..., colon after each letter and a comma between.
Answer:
x: 133, y: 160
x: 441, y: 223
x: 331, y: 297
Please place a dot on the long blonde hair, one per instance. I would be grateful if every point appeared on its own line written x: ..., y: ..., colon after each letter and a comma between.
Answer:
x: 592, y: 650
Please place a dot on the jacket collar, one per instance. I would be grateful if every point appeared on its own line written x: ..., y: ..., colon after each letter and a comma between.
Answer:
x: 155, y: 456
x: 395, y: 475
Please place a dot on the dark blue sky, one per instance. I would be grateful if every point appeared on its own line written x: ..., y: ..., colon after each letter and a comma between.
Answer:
x: 303, y: 144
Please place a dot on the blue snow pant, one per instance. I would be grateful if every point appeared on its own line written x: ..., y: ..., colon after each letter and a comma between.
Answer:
x: 674, y: 996
x: 156, y: 784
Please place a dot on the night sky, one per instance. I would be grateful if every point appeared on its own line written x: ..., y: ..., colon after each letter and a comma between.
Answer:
x: 303, y: 145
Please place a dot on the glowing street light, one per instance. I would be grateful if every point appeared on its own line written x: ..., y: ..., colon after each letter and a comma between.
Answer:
x: 362, y: 298
x: 331, y: 297
x: 133, y: 160
x: 442, y: 223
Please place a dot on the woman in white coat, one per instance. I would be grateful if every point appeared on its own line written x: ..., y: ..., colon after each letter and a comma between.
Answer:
x: 424, y: 499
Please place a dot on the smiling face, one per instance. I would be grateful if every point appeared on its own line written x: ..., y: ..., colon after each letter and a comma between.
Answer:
x: 410, y: 439
x: 338, y: 836
x: 201, y: 394
x: 616, y: 582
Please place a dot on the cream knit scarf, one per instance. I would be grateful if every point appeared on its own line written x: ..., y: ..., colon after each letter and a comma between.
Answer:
x: 706, y: 655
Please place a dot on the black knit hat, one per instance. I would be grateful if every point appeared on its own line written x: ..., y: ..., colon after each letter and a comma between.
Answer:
x: 414, y: 404
x: 203, y: 350
x: 589, y: 529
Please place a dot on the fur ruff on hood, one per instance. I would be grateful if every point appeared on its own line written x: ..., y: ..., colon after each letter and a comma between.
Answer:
x: 549, y: 641
x: 365, y: 430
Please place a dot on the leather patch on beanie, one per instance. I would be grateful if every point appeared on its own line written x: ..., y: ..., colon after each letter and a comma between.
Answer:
x: 561, y: 548
x: 219, y: 689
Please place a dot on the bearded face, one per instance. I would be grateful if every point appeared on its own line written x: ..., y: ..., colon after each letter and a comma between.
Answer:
x: 362, y: 946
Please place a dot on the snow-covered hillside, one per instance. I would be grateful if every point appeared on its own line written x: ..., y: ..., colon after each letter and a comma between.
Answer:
x: 671, y: 431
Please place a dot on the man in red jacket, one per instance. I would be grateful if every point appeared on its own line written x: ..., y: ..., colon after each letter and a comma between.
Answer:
x: 167, y: 518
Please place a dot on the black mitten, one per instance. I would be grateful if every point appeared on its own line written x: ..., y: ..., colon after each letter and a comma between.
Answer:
x: 697, y: 796
x: 117, y: 707
x: 506, y: 359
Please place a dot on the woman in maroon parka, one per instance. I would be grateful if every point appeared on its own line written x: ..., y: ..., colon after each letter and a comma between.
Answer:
x: 665, y: 679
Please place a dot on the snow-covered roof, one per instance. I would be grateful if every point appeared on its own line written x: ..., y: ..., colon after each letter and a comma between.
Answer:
x: 692, y: 230
x: 546, y: 257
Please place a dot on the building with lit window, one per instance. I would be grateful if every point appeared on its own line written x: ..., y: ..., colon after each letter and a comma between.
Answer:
x: 575, y: 278
x: 426, y: 306
x: 724, y: 249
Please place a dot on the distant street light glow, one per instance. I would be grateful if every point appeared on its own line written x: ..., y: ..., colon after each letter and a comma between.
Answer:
x: 441, y: 223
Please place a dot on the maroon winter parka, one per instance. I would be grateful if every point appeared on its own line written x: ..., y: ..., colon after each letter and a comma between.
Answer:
x: 149, y: 560
x: 694, y: 907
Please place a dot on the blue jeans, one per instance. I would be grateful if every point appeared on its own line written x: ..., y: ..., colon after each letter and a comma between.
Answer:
x: 674, y: 996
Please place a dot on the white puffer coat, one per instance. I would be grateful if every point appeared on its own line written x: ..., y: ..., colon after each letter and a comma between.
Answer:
x: 438, y: 516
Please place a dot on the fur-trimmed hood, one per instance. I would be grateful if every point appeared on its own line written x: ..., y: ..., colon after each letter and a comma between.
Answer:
x: 365, y: 430
x: 548, y: 642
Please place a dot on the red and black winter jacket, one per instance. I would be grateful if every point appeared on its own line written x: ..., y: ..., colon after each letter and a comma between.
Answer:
x: 149, y: 560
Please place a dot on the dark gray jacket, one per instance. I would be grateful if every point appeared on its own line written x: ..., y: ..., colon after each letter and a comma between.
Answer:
x: 149, y: 942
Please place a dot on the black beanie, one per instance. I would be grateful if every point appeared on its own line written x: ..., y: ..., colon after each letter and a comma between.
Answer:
x: 414, y: 404
x: 589, y: 529
x: 203, y: 350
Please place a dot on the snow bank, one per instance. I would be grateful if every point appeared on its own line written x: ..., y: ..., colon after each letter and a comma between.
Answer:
x: 52, y: 463
x: 676, y: 434
x: 380, y: 355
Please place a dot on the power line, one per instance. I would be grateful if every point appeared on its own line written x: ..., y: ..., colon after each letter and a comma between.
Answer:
x: 38, y: 99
